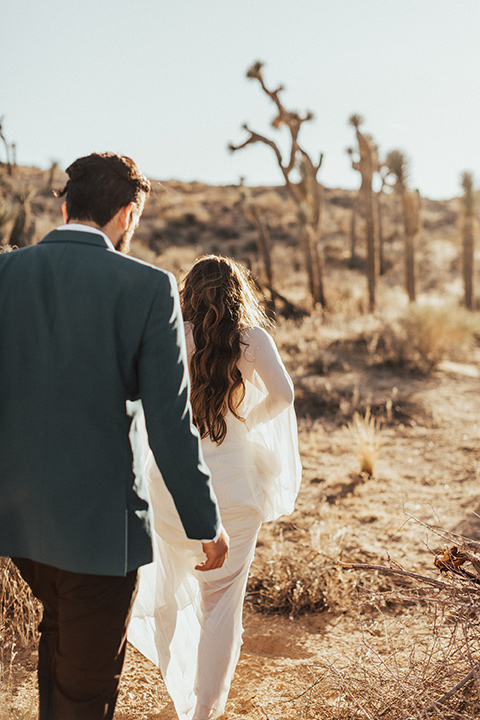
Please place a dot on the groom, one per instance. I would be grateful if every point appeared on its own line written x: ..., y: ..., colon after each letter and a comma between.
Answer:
x: 83, y: 329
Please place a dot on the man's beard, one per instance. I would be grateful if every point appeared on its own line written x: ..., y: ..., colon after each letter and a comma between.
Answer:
x: 123, y: 244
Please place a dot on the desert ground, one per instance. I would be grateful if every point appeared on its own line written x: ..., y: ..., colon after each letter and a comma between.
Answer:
x: 390, y: 447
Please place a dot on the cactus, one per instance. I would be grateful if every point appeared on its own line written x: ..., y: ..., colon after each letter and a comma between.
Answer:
x: 307, y: 194
x: 252, y: 213
x: 381, y: 244
x: 8, y: 148
x: 353, y: 231
x: 23, y: 229
x: 397, y: 165
x: 6, y: 214
x: 51, y: 175
x: 411, y: 214
x: 468, y: 238
x: 367, y: 165
x: 13, y: 148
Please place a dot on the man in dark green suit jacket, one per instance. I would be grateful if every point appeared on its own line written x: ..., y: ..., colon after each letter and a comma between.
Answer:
x: 84, y: 329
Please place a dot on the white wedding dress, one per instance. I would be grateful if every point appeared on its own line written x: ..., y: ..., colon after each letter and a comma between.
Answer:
x: 189, y: 623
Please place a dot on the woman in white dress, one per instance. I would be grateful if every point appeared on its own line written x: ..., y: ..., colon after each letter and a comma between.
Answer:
x: 188, y: 622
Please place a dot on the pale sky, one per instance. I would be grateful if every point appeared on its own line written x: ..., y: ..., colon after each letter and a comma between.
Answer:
x: 163, y: 81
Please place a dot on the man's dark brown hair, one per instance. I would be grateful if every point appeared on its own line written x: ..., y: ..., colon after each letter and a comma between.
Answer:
x: 100, y: 184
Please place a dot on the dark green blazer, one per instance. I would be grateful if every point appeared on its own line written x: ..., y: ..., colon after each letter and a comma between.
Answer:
x: 83, y: 329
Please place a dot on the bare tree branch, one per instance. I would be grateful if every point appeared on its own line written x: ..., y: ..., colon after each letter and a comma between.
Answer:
x: 256, y: 137
x: 449, y: 694
x: 308, y: 193
x: 393, y: 571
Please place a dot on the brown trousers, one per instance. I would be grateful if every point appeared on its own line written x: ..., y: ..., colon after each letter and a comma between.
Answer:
x: 82, y: 639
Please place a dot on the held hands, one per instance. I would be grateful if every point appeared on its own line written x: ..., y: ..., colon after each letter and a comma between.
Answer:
x: 216, y: 552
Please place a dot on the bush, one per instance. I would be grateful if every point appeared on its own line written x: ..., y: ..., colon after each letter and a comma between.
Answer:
x: 421, y: 673
x: 288, y: 587
x: 19, y: 610
x: 425, y: 336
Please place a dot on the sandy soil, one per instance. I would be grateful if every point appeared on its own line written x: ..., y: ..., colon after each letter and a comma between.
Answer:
x: 427, y: 472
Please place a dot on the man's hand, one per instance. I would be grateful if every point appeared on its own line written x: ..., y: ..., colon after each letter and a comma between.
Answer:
x: 216, y: 552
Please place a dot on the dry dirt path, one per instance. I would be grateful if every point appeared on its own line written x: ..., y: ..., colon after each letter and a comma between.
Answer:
x: 428, y: 472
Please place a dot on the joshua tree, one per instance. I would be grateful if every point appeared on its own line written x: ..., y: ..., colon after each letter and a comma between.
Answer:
x: 13, y: 148
x: 6, y: 214
x: 367, y: 165
x: 353, y: 225
x: 379, y: 195
x: 24, y: 225
x: 468, y: 238
x: 308, y: 193
x: 264, y: 242
x: 51, y: 175
x: 398, y: 165
x: 7, y: 148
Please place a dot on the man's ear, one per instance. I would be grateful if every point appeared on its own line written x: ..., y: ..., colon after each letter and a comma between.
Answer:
x: 125, y: 215
x: 64, y: 212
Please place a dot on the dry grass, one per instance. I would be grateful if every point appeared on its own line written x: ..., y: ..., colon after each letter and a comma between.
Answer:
x: 286, y: 585
x: 426, y: 335
x: 365, y: 432
x: 424, y: 663
x: 408, y: 669
x: 404, y: 662
x: 418, y: 656
x: 19, y: 610
x: 416, y: 340
x: 296, y: 572
x: 9, y: 709
x: 395, y: 675
x: 19, y: 617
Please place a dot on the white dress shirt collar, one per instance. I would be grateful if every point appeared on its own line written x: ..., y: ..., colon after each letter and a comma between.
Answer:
x: 79, y: 227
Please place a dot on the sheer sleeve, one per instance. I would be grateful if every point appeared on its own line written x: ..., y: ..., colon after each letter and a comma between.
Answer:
x: 272, y: 427
x: 261, y: 358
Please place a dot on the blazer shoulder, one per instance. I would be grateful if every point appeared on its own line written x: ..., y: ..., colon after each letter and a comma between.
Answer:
x: 146, y: 269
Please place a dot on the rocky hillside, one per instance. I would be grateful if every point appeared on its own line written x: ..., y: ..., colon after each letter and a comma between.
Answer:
x: 183, y: 220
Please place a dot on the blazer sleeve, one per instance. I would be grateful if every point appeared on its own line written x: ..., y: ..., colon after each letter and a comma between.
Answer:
x: 165, y: 394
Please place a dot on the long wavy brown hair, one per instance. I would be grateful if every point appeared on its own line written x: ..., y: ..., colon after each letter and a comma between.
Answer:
x: 220, y: 299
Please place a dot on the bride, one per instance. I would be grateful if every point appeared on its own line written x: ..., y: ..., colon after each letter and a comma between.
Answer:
x: 189, y: 622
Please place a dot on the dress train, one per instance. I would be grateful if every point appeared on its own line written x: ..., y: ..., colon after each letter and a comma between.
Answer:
x: 189, y: 623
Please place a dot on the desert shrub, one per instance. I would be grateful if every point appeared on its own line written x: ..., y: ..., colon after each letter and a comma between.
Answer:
x: 313, y: 400
x: 317, y: 398
x: 407, y: 679
x: 20, y: 614
x: 296, y: 573
x: 425, y: 664
x: 422, y: 661
x: 365, y: 433
x: 19, y: 610
x: 425, y: 336
x: 287, y: 586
